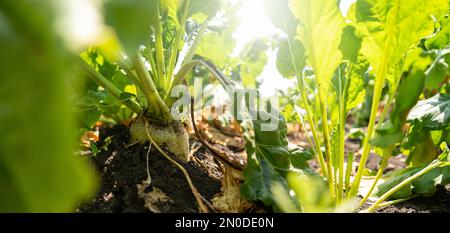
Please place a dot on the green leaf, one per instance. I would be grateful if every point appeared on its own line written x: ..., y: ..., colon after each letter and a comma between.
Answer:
x: 441, y: 38
x: 94, y: 58
x: 281, y: 16
x: 423, y: 150
x: 320, y: 31
x: 171, y: 8
x: 433, y: 113
x: 39, y: 171
x: 91, y: 101
x: 410, y: 90
x: 88, y: 112
x: 396, y: 178
x: 273, y: 145
x: 218, y: 44
x: 357, y: 88
x: 299, y: 157
x: 439, y: 70
x: 252, y: 61
x: 199, y: 10
x: 131, y: 20
x: 269, y: 157
x: 424, y: 185
x: 214, y: 47
x: 290, y: 58
x: 444, y: 156
x: 205, y: 7
x: 311, y: 191
x: 170, y: 28
x: 350, y: 44
x: 260, y: 175
x: 390, y: 28
x: 348, y: 82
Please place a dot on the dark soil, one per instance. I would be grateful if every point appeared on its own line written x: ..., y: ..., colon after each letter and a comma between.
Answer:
x: 123, y: 167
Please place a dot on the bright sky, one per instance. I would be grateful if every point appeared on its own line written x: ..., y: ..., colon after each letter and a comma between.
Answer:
x: 80, y: 22
x: 255, y: 24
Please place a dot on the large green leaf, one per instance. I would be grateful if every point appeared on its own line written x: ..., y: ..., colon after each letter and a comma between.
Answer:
x: 290, y: 58
x: 269, y: 158
x: 131, y: 20
x: 39, y: 171
x: 391, y: 27
x: 433, y: 113
x: 218, y: 44
x: 217, y: 48
x: 320, y: 30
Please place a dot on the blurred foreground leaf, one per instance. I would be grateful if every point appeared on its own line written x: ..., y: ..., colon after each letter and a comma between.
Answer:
x: 39, y: 171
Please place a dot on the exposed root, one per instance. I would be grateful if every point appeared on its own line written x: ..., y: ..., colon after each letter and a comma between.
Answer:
x: 198, y: 197
x: 194, y: 148
x: 222, y: 157
x: 230, y: 199
x: 149, y: 178
x: 132, y: 144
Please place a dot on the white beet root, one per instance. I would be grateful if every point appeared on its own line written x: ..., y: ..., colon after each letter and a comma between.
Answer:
x: 173, y: 135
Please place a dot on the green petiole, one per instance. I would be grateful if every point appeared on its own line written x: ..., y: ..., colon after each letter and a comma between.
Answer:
x: 431, y: 166
x: 103, y: 82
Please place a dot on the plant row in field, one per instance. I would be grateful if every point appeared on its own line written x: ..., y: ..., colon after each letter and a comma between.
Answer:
x: 385, y: 64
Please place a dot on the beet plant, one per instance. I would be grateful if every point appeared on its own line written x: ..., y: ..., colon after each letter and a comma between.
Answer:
x: 141, y: 66
x: 153, y: 34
